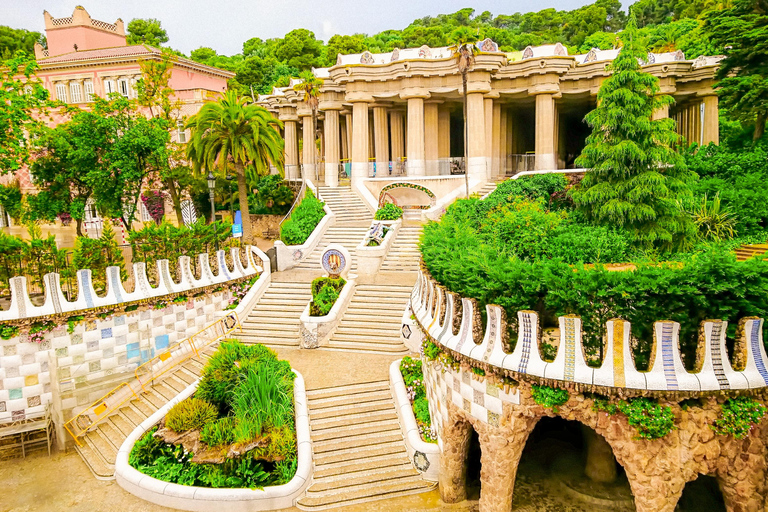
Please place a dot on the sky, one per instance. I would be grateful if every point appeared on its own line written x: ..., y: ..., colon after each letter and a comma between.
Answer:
x: 225, y: 24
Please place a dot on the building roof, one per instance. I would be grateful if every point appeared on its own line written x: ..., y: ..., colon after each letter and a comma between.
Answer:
x: 123, y: 52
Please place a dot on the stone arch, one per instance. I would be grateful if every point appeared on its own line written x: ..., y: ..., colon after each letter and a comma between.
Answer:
x: 702, y: 493
x: 408, y: 196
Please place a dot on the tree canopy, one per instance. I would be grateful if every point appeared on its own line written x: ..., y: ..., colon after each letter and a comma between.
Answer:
x: 146, y: 31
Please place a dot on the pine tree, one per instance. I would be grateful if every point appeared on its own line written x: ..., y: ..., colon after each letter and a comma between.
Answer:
x: 635, y: 176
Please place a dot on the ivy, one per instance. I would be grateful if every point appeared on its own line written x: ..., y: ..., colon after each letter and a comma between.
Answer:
x: 430, y: 349
x: 738, y: 416
x: 651, y: 420
x: 548, y: 397
x: 9, y: 331
x: 73, y: 321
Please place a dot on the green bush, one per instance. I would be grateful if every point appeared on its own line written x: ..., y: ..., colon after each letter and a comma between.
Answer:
x: 273, y: 196
x: 651, y: 420
x: 190, y: 414
x: 304, y: 219
x: 413, y: 377
x: 738, y: 416
x: 389, y: 211
x: 548, y: 397
x: 219, y: 432
x: 97, y: 254
x: 325, y: 293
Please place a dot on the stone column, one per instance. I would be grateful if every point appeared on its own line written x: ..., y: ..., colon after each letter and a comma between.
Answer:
x: 711, y: 120
x: 684, y: 125
x: 697, y: 115
x: 488, y: 104
x: 343, y: 132
x: 662, y: 113
x: 291, y: 147
x: 415, y: 148
x: 545, y: 132
x: 331, y: 127
x: 452, y: 478
x: 444, y: 139
x: 359, y: 140
x: 309, y: 148
x: 476, y: 150
x: 348, y: 131
x: 431, y: 138
x: 398, y: 137
x: 381, y: 138
x: 501, y: 451
x: 503, y: 142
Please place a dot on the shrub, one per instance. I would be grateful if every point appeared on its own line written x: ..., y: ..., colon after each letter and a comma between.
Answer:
x: 550, y: 398
x: 389, y: 211
x: 413, y: 377
x: 219, y: 432
x: 190, y: 414
x: 304, y: 219
x: 325, y: 293
x: 738, y: 416
x: 651, y: 420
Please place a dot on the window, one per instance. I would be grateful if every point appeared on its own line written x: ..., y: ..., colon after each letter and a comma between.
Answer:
x: 88, y: 85
x: 109, y: 87
x: 182, y: 133
x: 124, y: 88
x: 61, y: 92
x: 75, y: 93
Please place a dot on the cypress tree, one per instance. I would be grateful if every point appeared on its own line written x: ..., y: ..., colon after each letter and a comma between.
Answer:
x: 635, y: 177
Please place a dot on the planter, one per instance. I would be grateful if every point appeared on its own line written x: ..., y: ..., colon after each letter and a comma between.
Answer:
x: 317, y: 330
x: 424, y: 456
x: 410, y: 332
x: 205, y: 498
x: 369, y: 259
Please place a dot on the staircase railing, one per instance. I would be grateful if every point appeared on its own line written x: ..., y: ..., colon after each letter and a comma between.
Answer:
x: 302, y: 192
x: 148, y: 373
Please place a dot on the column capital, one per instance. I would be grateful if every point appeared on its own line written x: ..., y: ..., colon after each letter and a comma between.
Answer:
x: 412, y: 92
x: 434, y: 102
x: 288, y: 117
x: 545, y: 88
x: 358, y: 97
x: 493, y: 95
x: 381, y: 104
x: 303, y: 111
x: 331, y: 105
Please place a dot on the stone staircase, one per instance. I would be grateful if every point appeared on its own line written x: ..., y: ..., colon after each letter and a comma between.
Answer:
x: 486, y: 189
x: 346, y: 205
x: 100, y: 445
x: 358, y: 448
x: 404, y: 253
x: 373, y: 320
x: 348, y: 236
x: 275, y: 318
x: 745, y: 252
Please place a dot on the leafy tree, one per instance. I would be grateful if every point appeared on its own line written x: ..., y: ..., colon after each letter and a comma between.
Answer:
x: 202, y: 54
x: 13, y: 40
x: 300, y: 49
x: 741, y: 33
x: 343, y: 45
x: 10, y: 199
x: 310, y: 89
x: 146, y: 31
x: 230, y: 130
x: 21, y: 94
x: 635, y: 177
x: 464, y: 50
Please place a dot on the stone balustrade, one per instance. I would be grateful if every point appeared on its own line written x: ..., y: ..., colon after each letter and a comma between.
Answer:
x: 455, y: 323
x: 21, y: 305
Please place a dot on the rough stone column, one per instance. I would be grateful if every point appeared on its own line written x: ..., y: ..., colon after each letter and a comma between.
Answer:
x: 488, y: 105
x: 381, y: 136
x: 331, y: 127
x: 476, y: 150
x: 501, y: 451
x: 711, y: 120
x: 684, y: 124
x: 291, y: 149
x: 309, y: 149
x: 431, y: 128
x: 444, y: 139
x: 359, y: 140
x: 398, y: 136
x: 456, y: 435
x: 415, y: 148
x: 545, y: 132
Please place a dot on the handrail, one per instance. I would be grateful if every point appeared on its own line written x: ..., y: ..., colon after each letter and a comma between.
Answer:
x: 80, y: 424
x: 296, y: 201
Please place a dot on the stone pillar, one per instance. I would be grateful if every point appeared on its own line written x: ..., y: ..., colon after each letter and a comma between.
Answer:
x: 684, y: 125
x: 359, y: 141
x: 456, y: 435
x: 496, y: 140
x: 291, y: 150
x: 488, y: 104
x: 344, y: 149
x: 711, y: 120
x: 601, y: 465
x: 661, y: 113
x: 331, y: 127
x: 501, y: 451
x: 398, y: 137
x: 545, y: 132
x: 415, y: 149
x: 444, y: 139
x: 431, y: 138
x: 503, y: 142
x: 349, y: 132
x: 476, y: 150
x: 381, y: 138
x: 309, y: 148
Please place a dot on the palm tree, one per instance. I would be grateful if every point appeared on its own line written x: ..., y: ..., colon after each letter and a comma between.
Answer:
x: 233, y: 131
x: 310, y: 86
x: 464, y: 49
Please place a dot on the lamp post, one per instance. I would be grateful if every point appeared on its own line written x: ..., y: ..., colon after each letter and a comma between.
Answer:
x: 211, y: 186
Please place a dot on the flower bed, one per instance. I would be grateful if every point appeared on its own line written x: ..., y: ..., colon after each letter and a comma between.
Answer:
x: 304, y: 220
x: 325, y: 293
x: 237, y: 431
x: 417, y: 395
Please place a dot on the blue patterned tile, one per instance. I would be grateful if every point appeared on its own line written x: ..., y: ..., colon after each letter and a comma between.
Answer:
x: 133, y: 350
x: 119, y: 320
x: 106, y: 333
x: 161, y: 342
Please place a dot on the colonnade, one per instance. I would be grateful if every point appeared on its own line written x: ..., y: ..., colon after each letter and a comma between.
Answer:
x: 697, y: 120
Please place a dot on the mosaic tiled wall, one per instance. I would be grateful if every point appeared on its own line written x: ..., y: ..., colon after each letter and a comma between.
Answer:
x: 74, y: 369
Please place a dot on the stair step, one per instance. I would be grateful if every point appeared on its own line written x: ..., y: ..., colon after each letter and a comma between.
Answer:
x: 361, y: 453
x: 352, y: 466
x: 366, y: 338
x: 373, y: 427
x: 352, y: 418
x: 361, y: 441
x: 364, y: 493
x: 382, y: 401
x: 361, y: 397
x: 95, y: 463
x: 376, y: 347
x: 370, y: 476
x: 351, y: 389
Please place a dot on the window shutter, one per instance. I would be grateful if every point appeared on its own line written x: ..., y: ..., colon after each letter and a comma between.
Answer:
x: 74, y: 92
x: 61, y: 92
x: 88, y: 91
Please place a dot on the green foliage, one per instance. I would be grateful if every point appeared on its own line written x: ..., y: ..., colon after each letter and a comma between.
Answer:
x: 12, y: 40
x: 8, y: 331
x: 712, y: 221
x: 430, y: 349
x: 190, y: 414
x: 550, y: 398
x: 388, y: 212
x: 272, y: 196
x: 146, y: 31
x: 73, y: 321
x: 10, y: 199
x: 263, y: 400
x: 413, y: 377
x: 305, y: 217
x: 650, y: 419
x: 325, y: 293
x: 635, y: 177
x: 97, y: 254
x: 738, y: 416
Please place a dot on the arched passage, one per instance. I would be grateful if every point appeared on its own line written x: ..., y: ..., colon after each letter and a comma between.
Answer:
x: 702, y: 494
x: 572, y: 465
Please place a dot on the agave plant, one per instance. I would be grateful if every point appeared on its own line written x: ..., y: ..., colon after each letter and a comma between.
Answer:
x: 712, y: 220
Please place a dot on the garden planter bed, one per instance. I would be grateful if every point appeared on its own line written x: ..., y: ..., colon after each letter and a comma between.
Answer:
x: 424, y: 455
x: 370, y: 257
x: 316, y: 330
